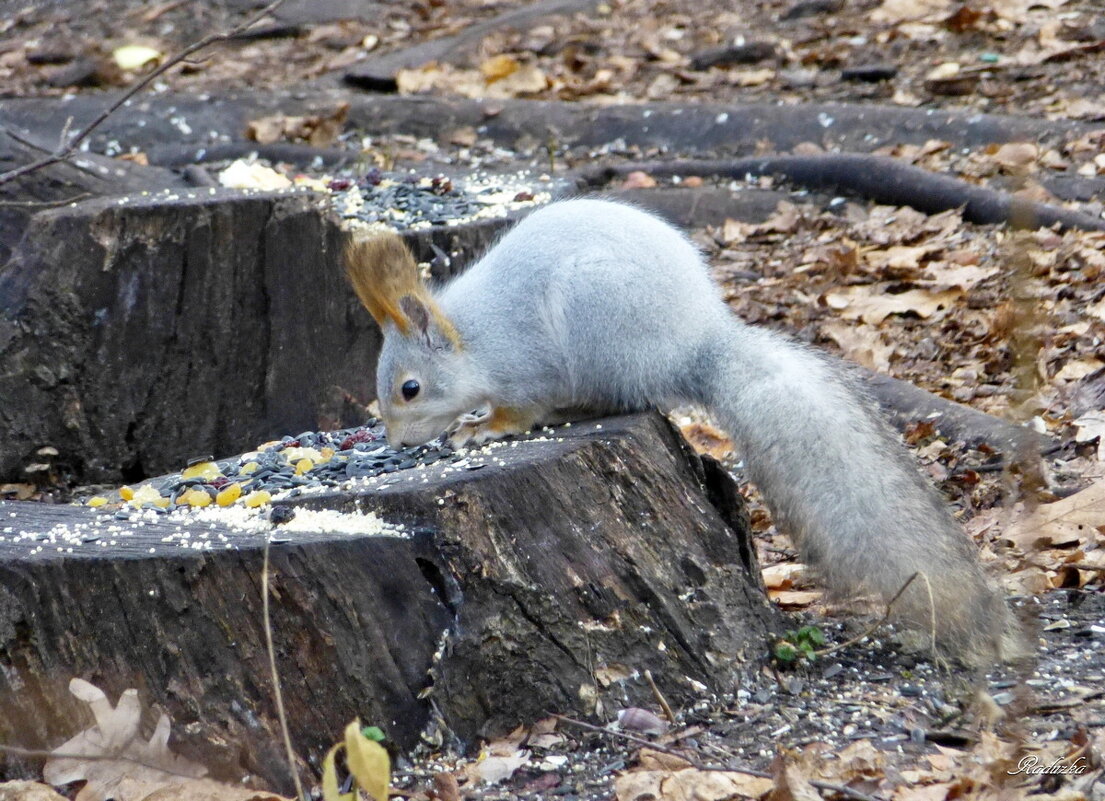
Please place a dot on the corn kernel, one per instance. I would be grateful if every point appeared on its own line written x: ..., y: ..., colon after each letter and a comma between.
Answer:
x: 258, y: 498
x: 196, y: 497
x: 205, y: 470
x: 229, y: 494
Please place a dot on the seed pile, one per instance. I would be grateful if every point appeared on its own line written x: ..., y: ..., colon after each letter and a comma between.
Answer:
x: 413, y: 201
x: 291, y: 465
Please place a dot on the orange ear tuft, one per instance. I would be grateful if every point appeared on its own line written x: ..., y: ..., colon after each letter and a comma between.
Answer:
x: 383, y: 272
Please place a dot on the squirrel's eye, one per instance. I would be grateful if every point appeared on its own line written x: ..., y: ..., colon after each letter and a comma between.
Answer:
x: 410, y: 389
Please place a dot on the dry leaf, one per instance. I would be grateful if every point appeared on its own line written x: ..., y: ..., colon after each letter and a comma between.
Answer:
x: 791, y: 785
x: 784, y: 575
x: 872, y: 304
x: 1075, y: 519
x: 895, y: 11
x: 498, y: 67
x: 688, y: 784
x: 946, y: 276
x: 525, y: 80
x: 1077, y: 369
x: 28, y: 791
x: 1017, y: 156
x: 134, y: 768
x: 928, y: 792
x: 613, y: 674
x: 862, y: 344
x: 794, y: 599
x: 317, y: 130
x: 495, y: 769
x: 752, y: 77
x: 900, y: 259
x: 1092, y: 426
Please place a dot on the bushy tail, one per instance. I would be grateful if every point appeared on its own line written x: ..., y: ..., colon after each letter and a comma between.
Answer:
x: 839, y: 482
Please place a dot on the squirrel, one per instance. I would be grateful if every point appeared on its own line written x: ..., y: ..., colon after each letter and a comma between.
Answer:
x: 596, y: 306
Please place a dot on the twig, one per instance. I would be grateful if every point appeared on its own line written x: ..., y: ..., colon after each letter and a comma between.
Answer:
x: 66, y: 149
x: 694, y: 763
x: 878, y: 624
x: 660, y: 699
x: 280, y: 712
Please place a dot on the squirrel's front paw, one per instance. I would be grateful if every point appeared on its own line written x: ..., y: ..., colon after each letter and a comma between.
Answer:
x: 476, y: 428
x: 468, y: 427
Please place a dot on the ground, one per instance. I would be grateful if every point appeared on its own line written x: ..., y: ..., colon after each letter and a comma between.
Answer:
x: 1008, y: 322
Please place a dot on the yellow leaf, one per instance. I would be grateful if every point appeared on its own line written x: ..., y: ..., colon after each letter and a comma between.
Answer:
x: 330, y: 791
x: 499, y: 67
x: 133, y: 57
x: 368, y: 762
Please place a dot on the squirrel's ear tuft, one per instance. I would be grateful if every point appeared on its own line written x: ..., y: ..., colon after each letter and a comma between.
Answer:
x: 385, y: 277
x: 382, y: 270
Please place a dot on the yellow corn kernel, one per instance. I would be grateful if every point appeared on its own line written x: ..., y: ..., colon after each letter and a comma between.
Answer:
x: 147, y: 493
x: 196, y: 497
x: 258, y: 498
x: 208, y: 471
x: 229, y: 494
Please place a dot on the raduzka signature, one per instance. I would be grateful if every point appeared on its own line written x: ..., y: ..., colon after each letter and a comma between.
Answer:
x: 1032, y: 764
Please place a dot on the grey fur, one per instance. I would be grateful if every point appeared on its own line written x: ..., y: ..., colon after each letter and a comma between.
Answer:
x: 598, y: 305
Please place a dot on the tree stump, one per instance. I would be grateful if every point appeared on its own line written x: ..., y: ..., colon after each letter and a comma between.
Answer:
x: 546, y: 574
x: 139, y: 331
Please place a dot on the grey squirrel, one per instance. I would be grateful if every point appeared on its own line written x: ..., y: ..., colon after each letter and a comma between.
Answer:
x: 595, y: 305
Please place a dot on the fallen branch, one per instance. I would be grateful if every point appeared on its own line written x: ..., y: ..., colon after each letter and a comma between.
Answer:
x: 876, y: 178
x: 906, y: 404
x: 67, y: 148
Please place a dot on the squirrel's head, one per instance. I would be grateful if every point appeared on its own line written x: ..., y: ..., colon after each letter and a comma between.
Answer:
x: 421, y: 379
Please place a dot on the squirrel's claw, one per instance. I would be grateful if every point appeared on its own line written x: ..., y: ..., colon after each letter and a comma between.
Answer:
x: 485, y: 425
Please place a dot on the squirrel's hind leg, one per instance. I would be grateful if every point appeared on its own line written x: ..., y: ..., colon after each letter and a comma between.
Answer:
x: 499, y: 422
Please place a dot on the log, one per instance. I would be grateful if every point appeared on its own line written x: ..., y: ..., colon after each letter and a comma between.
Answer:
x: 547, y: 574
x: 698, y: 129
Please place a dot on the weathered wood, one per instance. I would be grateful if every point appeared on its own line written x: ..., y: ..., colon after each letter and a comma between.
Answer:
x: 906, y: 404
x: 555, y: 573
